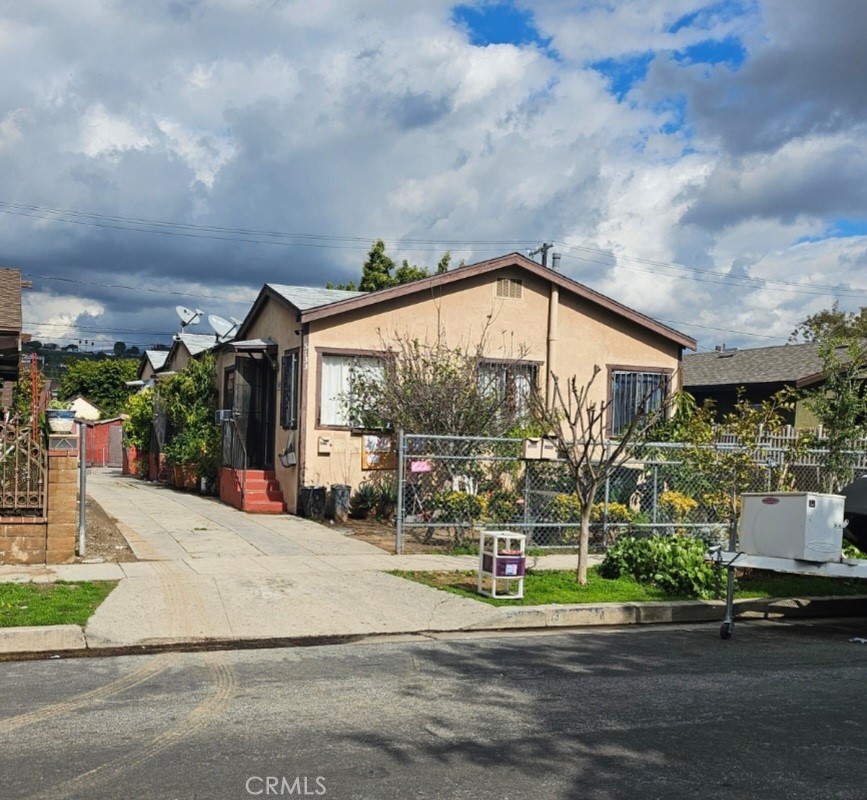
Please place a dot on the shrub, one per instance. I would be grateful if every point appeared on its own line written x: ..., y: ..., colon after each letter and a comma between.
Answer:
x: 675, y: 564
x: 137, y: 426
x: 457, y: 506
x: 502, y: 506
x: 565, y: 508
x: 677, y: 506
x: 363, y: 501
x: 617, y: 513
x: 386, y: 500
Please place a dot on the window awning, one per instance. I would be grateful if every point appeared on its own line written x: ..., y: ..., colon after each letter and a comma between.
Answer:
x: 266, y: 345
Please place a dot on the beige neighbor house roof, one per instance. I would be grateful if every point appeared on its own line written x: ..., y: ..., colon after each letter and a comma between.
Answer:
x: 312, y: 304
x: 795, y: 364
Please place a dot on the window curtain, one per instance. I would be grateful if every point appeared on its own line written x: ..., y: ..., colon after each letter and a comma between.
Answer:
x: 337, y: 372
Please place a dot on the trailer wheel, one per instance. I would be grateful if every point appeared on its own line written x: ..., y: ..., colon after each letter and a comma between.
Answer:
x: 726, y: 630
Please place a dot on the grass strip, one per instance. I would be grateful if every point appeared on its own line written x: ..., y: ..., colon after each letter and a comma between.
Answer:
x: 61, y: 603
x: 545, y: 587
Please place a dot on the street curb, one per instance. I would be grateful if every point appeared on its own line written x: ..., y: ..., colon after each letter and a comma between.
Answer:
x: 42, y: 640
x: 683, y: 611
x: 69, y: 641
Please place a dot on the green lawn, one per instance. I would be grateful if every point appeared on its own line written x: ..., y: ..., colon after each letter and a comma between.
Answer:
x: 543, y: 587
x: 58, y: 603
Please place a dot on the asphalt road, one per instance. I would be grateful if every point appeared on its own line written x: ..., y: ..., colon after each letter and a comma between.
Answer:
x: 777, y: 712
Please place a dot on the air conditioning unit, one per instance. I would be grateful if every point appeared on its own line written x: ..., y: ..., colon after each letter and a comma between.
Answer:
x: 799, y: 525
x: 222, y: 415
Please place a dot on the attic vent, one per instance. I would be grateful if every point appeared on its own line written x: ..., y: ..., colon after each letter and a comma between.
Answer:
x: 510, y: 288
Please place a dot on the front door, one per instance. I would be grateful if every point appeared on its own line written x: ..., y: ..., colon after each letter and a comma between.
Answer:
x: 253, y: 409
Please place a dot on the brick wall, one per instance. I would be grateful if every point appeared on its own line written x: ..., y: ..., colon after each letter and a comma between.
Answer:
x: 50, y: 539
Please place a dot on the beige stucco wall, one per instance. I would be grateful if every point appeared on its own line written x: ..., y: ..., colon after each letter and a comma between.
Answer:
x: 586, y: 335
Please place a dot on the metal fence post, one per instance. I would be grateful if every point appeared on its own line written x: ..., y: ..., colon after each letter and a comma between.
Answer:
x: 82, y: 489
x: 401, y: 464
x: 655, y: 493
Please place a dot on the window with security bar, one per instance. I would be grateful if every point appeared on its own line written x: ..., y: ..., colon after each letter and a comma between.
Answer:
x: 289, y: 390
x: 513, y: 383
x: 633, y: 392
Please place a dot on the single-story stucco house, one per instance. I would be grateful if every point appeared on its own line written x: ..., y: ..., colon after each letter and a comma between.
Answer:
x: 282, y: 377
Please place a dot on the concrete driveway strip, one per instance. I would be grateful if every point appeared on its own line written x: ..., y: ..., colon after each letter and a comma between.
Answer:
x: 211, y: 572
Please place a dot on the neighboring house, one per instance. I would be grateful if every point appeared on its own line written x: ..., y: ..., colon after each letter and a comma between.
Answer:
x: 758, y: 373
x: 151, y: 361
x: 184, y: 347
x: 281, y: 379
x: 11, y: 335
x: 84, y: 409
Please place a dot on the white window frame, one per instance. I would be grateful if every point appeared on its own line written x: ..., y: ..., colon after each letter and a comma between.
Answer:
x: 336, y: 368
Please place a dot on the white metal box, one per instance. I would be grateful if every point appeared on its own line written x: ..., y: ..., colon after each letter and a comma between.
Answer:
x: 799, y: 525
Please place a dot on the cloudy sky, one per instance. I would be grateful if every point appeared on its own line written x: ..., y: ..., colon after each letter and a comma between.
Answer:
x: 705, y: 163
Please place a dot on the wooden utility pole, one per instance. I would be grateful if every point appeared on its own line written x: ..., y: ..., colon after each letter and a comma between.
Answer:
x: 543, y: 249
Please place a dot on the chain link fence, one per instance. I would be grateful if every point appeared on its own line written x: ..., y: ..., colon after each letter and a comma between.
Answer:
x: 449, y: 488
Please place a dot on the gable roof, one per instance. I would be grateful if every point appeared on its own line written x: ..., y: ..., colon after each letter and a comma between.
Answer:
x: 305, y: 298
x: 798, y: 364
x: 313, y: 304
x: 196, y: 342
x: 10, y: 300
x: 156, y: 358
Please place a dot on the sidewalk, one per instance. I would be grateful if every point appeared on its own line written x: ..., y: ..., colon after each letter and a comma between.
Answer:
x: 211, y: 574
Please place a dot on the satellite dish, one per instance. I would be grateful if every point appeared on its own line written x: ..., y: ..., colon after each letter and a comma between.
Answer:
x: 188, y: 317
x: 224, y: 329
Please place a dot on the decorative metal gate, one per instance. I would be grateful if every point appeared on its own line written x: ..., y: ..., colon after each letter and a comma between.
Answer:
x: 23, y: 468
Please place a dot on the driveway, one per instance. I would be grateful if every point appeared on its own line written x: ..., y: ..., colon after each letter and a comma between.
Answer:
x: 208, y: 571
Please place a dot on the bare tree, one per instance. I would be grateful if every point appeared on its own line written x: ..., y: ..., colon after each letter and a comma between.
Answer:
x: 434, y: 387
x: 579, y: 426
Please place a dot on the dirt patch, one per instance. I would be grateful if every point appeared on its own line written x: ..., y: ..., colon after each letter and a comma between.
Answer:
x: 104, y: 539
x: 383, y: 535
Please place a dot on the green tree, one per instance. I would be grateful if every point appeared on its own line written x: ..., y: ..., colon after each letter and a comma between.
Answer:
x: 831, y: 323
x: 102, y: 382
x: 119, y: 349
x: 840, y: 404
x: 735, y: 455
x: 190, y: 399
x: 380, y: 272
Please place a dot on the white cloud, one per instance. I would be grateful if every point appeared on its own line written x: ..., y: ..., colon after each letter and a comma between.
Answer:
x: 377, y: 118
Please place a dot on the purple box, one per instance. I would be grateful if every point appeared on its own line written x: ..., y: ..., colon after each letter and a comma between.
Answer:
x: 507, y: 566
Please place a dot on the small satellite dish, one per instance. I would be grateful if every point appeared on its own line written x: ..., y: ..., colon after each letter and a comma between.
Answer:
x: 188, y: 317
x: 224, y: 329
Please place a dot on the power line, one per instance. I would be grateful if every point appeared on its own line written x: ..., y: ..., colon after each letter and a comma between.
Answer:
x: 146, y: 289
x: 725, y: 279
x: 222, y: 233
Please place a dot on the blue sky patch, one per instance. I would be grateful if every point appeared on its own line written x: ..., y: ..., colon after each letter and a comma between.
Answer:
x: 838, y: 229
x: 624, y: 73
x: 714, y: 13
x: 728, y: 51
x: 498, y: 23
